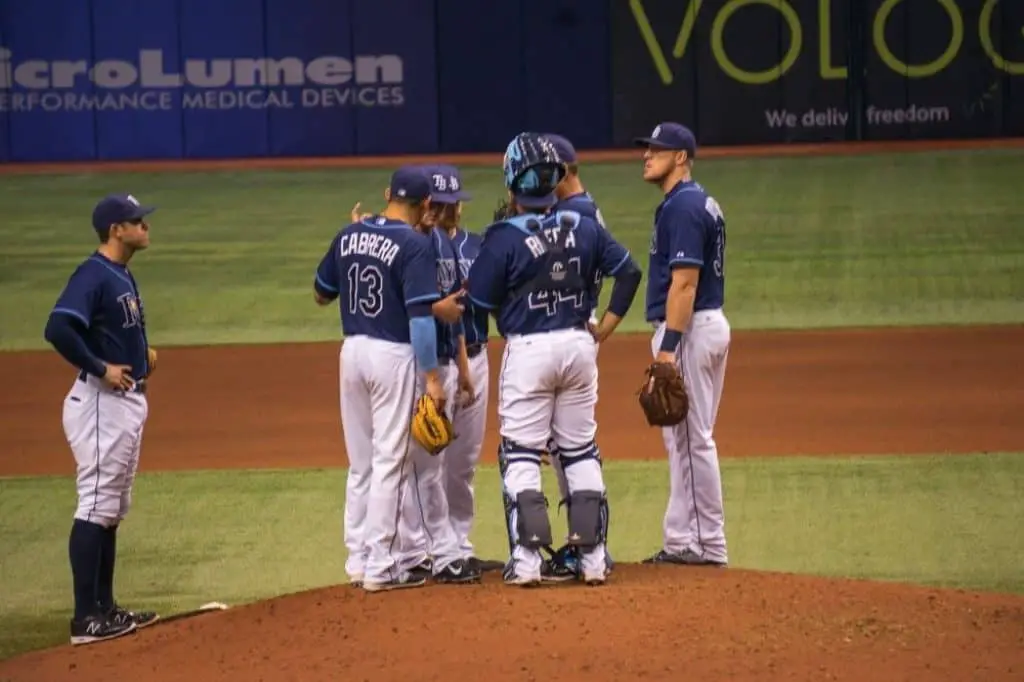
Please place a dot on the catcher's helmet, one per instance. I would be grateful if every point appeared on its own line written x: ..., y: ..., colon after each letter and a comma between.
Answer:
x: 532, y: 170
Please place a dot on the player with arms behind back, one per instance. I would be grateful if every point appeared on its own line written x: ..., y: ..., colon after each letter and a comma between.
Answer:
x: 685, y: 295
x: 535, y: 272
x: 383, y: 274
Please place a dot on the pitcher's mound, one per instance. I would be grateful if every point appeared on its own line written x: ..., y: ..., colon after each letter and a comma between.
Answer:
x: 648, y: 622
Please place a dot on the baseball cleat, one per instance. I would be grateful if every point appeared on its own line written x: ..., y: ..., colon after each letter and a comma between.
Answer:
x: 555, y: 572
x: 595, y: 579
x: 685, y: 558
x: 510, y: 576
x: 405, y: 582
x: 97, y: 629
x: 119, y: 615
x: 457, y: 572
x: 424, y: 569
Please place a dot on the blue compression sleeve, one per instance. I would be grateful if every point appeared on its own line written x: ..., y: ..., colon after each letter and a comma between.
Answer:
x: 63, y: 332
x: 423, y: 335
x: 627, y: 281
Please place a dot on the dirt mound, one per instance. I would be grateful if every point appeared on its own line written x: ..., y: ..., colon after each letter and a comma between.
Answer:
x: 649, y: 623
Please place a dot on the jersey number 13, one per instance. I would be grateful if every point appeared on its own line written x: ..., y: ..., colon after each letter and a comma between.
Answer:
x: 365, y: 290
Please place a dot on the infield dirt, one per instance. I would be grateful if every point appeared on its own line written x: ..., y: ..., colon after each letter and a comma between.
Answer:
x: 887, y: 391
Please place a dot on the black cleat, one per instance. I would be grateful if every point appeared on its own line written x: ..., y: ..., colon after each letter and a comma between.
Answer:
x: 97, y: 629
x: 457, y: 572
x: 685, y: 558
x: 119, y: 615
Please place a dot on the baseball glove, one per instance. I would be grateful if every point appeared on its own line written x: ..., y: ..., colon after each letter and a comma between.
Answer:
x: 503, y: 211
x: 430, y: 426
x: 663, y: 395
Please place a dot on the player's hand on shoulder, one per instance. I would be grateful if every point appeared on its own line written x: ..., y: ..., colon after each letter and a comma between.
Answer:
x: 356, y: 215
x: 119, y: 377
x: 450, y: 308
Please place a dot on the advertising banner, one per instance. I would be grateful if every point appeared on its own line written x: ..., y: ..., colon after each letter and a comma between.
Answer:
x: 752, y: 71
x: 739, y: 71
x: 5, y: 150
x: 927, y: 71
x: 108, y: 79
x: 44, y: 89
x: 395, y: 76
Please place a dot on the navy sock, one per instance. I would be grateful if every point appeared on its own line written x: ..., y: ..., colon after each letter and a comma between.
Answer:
x: 105, y: 578
x: 84, y: 549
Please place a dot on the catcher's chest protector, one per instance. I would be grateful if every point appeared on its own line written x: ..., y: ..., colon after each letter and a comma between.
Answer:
x: 557, y: 272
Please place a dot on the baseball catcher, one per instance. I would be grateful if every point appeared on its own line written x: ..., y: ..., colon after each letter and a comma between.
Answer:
x: 663, y: 395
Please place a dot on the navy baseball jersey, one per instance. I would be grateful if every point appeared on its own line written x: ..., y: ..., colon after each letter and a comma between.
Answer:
x: 583, y: 204
x: 102, y: 296
x: 511, y: 255
x: 689, y: 231
x: 376, y: 267
x: 448, y: 282
x: 475, y: 319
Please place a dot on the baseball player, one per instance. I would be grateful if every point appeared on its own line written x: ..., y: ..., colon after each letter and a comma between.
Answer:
x: 429, y: 544
x: 462, y: 456
x: 534, y: 272
x: 383, y: 274
x: 572, y: 196
x: 685, y: 295
x: 99, y: 326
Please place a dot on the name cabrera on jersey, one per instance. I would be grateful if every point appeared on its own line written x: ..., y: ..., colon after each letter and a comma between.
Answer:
x: 689, y: 231
x: 376, y: 268
x: 512, y: 255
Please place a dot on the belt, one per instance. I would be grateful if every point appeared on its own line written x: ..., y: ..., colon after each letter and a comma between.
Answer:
x: 139, y: 387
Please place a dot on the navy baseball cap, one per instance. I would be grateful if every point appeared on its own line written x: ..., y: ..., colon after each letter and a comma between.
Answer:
x: 566, y: 152
x: 410, y: 182
x: 118, y: 208
x: 670, y: 135
x: 446, y: 185
x: 533, y: 170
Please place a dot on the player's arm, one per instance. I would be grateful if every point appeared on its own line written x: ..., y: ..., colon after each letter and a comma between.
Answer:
x: 617, y: 263
x: 487, y: 287
x: 419, y: 284
x: 685, y: 229
x: 325, y: 282
x: 68, y: 324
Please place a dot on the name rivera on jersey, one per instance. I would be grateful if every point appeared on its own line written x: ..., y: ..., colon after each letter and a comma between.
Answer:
x: 537, y: 247
x: 368, y: 244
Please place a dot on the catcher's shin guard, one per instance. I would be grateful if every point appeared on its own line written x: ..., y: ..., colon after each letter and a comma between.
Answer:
x: 587, y: 502
x: 526, y: 518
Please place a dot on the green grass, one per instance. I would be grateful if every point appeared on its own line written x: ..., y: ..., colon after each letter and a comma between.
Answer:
x: 830, y: 241
x: 242, y: 536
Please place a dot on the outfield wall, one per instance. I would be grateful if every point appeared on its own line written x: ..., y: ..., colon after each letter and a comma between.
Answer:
x: 169, y: 79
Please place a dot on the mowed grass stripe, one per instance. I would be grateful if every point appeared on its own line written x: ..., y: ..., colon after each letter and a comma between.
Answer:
x: 812, y: 242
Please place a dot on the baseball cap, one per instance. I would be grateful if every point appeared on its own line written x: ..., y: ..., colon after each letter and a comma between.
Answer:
x: 566, y: 152
x: 532, y: 170
x: 410, y: 182
x: 446, y: 185
x: 670, y: 135
x: 118, y: 208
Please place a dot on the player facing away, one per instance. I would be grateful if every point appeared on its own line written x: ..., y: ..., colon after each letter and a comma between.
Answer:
x: 99, y: 326
x: 383, y: 274
x: 428, y: 543
x: 535, y: 272
x: 572, y: 196
x: 463, y: 454
x: 685, y: 296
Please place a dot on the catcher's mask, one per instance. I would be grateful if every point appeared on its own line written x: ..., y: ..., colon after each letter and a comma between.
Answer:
x: 533, y: 170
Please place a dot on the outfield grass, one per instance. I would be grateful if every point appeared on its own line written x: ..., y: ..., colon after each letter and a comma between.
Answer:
x: 829, y: 241
x: 242, y: 536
